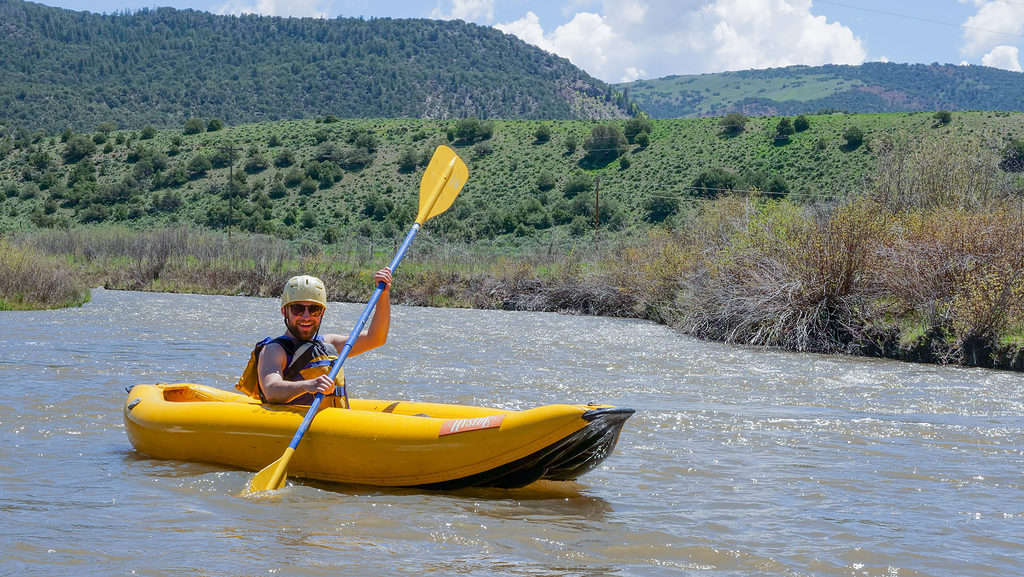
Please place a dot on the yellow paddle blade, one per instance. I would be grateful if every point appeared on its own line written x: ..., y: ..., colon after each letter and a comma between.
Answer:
x: 273, y: 476
x: 444, y: 178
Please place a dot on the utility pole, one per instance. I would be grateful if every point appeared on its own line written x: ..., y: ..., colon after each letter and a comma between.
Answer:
x: 230, y: 150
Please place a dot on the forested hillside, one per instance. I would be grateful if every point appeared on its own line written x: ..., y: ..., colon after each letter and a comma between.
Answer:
x: 871, y: 87
x: 61, y: 68
x: 331, y: 179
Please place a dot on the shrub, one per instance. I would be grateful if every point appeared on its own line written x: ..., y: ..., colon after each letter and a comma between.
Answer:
x: 256, y: 163
x: 545, y: 180
x: 284, y: 159
x: 943, y: 117
x: 800, y: 123
x: 660, y: 207
x: 578, y: 182
x: 710, y: 183
x: 783, y: 130
x: 854, y: 137
x: 469, y: 130
x: 278, y: 189
x: 78, y: 147
x: 1013, y: 156
x: 407, y: 160
x: 482, y: 149
x: 542, y: 134
x: 605, y: 143
x: 635, y: 127
x: 308, y: 186
x: 199, y: 165
x: 214, y: 125
x: 194, y: 126
x: 570, y: 144
x: 293, y: 177
x: 733, y: 124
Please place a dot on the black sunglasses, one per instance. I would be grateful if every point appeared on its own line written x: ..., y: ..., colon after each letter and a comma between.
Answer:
x: 312, y: 310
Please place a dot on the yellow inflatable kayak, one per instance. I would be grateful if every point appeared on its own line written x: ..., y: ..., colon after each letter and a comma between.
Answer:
x: 384, y: 443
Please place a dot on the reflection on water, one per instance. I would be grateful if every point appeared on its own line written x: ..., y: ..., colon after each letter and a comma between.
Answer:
x: 738, y: 461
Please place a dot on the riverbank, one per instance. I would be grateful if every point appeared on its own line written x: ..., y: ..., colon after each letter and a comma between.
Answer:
x: 937, y: 284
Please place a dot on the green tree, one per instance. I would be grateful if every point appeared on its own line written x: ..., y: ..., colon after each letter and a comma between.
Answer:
x: 194, y: 126
x: 660, y: 207
x: 407, y: 160
x: 570, y: 144
x: 800, y: 123
x: 733, y: 124
x: 256, y: 163
x: 943, y: 117
x: 605, y: 144
x: 578, y: 182
x: 542, y: 134
x: 635, y: 127
x: 783, y: 130
x: 105, y: 128
x: 712, y: 182
x: 78, y: 147
x: 1013, y: 156
x: 284, y: 158
x: 199, y: 165
x: 214, y: 125
x: 545, y: 180
x: 854, y: 137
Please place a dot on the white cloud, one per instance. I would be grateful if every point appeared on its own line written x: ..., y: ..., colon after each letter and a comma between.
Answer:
x: 529, y: 30
x: 995, y: 23
x: 311, y: 8
x: 587, y: 40
x: 772, y: 33
x: 629, y: 39
x: 1005, y: 57
x: 468, y: 10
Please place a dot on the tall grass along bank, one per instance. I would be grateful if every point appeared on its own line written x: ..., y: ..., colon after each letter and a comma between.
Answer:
x: 30, y: 279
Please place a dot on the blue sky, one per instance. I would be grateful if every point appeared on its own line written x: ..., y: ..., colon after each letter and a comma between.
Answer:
x: 621, y: 40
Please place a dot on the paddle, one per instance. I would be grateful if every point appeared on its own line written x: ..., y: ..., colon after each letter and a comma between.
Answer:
x: 441, y: 183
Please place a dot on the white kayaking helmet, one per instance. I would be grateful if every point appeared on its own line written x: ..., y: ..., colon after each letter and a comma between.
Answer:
x: 304, y: 288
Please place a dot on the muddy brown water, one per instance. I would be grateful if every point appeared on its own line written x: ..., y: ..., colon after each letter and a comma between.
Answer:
x: 739, y: 461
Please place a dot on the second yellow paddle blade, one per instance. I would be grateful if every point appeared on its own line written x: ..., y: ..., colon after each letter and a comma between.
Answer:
x: 444, y: 178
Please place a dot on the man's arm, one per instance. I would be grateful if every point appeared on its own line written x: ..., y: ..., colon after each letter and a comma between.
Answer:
x: 376, y: 334
x: 275, y: 388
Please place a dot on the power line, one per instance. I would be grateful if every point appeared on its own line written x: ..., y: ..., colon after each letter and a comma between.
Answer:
x: 922, y: 19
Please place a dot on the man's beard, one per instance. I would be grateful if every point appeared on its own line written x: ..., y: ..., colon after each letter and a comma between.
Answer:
x: 302, y: 335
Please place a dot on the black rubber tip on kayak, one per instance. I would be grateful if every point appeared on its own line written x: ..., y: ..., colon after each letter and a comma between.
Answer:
x: 612, y: 413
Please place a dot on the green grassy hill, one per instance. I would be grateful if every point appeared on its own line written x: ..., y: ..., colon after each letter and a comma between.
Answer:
x: 325, y: 180
x: 60, y: 68
x: 871, y: 87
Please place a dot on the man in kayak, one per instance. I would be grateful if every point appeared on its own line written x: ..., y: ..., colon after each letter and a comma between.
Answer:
x: 293, y: 368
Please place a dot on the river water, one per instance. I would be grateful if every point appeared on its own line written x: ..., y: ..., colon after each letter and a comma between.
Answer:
x: 739, y: 461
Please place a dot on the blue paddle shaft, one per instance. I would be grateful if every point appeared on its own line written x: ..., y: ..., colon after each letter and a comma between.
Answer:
x: 343, y: 354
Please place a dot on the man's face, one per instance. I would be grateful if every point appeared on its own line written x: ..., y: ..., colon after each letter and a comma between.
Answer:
x: 303, y: 319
